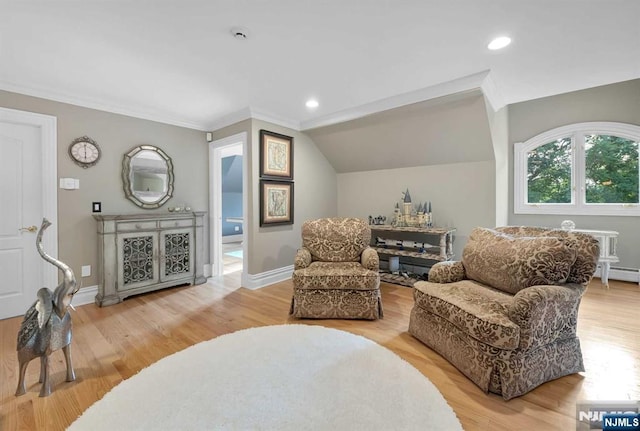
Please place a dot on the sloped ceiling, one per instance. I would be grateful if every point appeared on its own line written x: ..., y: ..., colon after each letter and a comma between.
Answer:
x: 446, y: 130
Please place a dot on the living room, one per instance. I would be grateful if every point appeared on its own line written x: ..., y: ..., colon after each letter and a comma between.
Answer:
x: 449, y: 140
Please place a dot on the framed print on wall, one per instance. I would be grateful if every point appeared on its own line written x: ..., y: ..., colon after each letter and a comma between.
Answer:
x: 276, y: 202
x: 276, y: 156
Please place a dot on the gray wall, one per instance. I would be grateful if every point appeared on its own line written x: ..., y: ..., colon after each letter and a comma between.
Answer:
x: 616, y: 102
x: 315, y: 196
x: 116, y: 135
x: 461, y: 194
x: 445, y: 155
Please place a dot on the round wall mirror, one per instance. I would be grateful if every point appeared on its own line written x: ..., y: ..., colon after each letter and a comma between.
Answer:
x: 147, y: 175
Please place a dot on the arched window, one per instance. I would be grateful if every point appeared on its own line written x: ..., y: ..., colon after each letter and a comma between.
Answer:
x: 585, y: 168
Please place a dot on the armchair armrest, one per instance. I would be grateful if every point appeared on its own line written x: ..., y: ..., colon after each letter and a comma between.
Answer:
x: 447, y: 272
x: 546, y: 313
x: 369, y: 259
x: 302, y: 259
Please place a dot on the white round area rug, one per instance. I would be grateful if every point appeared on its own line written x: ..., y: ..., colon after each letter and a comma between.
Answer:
x: 285, y: 377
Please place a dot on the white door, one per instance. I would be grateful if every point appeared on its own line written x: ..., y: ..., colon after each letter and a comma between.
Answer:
x: 22, y: 207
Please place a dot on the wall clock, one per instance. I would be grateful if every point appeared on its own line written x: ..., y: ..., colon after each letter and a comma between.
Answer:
x: 84, y: 151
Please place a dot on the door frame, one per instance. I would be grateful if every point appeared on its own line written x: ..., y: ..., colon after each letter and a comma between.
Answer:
x: 48, y: 126
x: 215, y: 202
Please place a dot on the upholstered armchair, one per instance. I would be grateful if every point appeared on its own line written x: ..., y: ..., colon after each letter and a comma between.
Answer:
x: 506, y: 315
x: 336, y: 272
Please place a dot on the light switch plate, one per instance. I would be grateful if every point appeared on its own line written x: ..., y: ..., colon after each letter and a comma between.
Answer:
x: 69, y: 183
x: 86, y: 270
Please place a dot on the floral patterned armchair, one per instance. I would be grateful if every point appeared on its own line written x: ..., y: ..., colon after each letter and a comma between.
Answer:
x: 336, y: 272
x: 506, y: 315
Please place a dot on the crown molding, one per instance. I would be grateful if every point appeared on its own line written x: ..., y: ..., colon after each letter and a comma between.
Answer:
x: 459, y: 85
x: 481, y: 80
x: 253, y: 113
x: 99, y: 105
x: 259, y: 114
x: 229, y: 119
x: 492, y: 94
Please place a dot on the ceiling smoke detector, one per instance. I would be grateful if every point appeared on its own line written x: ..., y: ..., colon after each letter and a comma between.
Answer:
x: 240, y: 33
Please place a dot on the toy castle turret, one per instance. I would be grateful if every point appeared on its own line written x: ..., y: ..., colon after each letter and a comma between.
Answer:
x: 420, y: 218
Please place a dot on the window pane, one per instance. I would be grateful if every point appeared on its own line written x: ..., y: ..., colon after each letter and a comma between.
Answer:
x: 611, y: 169
x: 549, y: 173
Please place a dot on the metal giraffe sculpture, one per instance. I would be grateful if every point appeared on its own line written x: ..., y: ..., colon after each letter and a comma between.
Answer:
x: 46, y: 326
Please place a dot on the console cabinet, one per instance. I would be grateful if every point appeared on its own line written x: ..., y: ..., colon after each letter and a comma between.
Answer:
x: 415, y: 246
x: 140, y: 253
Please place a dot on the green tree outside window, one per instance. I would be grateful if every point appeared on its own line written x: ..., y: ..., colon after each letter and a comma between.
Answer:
x: 549, y: 173
x: 611, y: 169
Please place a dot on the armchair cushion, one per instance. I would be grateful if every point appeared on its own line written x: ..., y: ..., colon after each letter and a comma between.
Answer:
x: 336, y: 275
x: 587, y: 249
x: 475, y: 309
x: 336, y: 239
x: 512, y: 263
x: 447, y: 272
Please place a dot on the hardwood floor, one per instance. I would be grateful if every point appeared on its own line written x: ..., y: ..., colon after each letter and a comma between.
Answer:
x: 113, y: 343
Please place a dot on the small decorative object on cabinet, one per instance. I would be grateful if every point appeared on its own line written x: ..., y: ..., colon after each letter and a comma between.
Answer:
x: 144, y: 252
x: 408, y: 217
x: 416, y: 246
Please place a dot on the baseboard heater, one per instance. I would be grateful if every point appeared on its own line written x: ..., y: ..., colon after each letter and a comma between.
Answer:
x: 622, y: 274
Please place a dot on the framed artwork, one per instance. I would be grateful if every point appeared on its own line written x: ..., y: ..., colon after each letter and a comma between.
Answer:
x: 276, y: 202
x: 276, y: 156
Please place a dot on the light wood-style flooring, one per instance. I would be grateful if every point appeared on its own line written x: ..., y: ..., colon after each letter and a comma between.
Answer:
x: 113, y: 343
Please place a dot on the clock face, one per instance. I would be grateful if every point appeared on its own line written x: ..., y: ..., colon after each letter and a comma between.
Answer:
x: 84, y: 151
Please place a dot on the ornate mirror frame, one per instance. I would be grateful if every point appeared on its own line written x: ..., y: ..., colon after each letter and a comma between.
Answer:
x: 130, y: 193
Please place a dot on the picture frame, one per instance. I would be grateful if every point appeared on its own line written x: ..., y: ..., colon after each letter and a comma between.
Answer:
x: 276, y: 156
x: 276, y: 202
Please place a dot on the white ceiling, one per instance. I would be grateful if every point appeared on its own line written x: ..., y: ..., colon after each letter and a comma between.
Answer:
x: 176, y: 61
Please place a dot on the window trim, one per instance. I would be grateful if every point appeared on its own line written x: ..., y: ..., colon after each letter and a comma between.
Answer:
x: 577, y: 206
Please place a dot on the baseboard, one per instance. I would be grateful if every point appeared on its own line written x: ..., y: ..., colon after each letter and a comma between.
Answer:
x: 256, y: 281
x: 86, y: 295
x: 232, y: 238
x: 622, y: 274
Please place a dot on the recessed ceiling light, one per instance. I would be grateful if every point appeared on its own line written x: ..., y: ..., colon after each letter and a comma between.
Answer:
x: 499, y: 42
x: 312, y: 103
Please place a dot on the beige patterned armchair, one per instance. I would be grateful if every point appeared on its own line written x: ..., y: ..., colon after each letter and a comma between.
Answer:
x: 506, y: 315
x: 336, y: 272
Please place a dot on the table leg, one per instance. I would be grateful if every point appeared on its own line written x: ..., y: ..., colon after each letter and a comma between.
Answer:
x: 443, y: 246
x: 604, y: 275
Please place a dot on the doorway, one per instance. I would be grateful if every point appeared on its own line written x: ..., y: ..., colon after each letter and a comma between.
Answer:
x: 228, y: 203
x: 28, y: 190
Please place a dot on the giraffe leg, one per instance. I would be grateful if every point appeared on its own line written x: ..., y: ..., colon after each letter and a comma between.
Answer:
x: 42, y: 371
x: 46, y: 384
x: 71, y: 375
x: 21, y: 386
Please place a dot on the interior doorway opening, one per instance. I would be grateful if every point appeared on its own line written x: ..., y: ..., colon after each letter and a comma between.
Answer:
x: 228, y: 206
